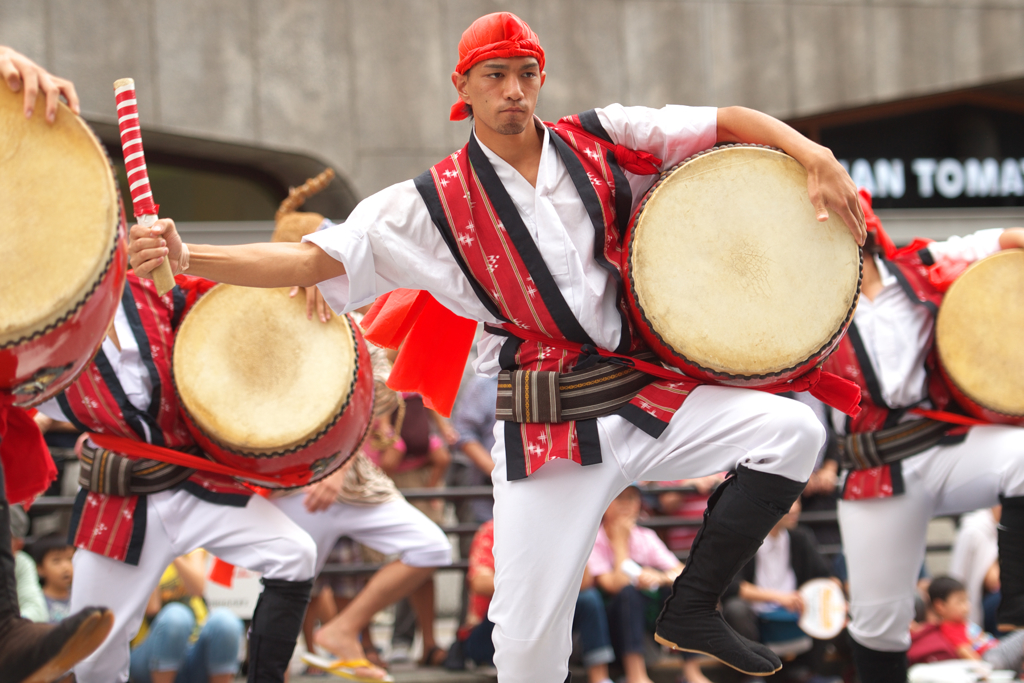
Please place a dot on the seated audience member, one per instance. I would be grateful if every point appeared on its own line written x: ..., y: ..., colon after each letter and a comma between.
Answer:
x: 764, y: 604
x: 975, y: 563
x: 53, y: 563
x: 180, y: 641
x: 473, y: 419
x: 689, y: 506
x: 634, y: 571
x: 473, y: 642
x: 30, y: 594
x: 952, y: 635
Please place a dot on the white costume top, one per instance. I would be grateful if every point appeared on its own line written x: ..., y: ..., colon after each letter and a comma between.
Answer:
x: 896, y: 330
x: 390, y: 242
x: 773, y: 569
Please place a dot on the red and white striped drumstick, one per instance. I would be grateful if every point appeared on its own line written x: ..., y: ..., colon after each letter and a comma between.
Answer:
x: 138, y: 176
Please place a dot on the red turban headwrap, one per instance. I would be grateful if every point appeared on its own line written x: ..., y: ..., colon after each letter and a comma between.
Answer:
x: 502, y: 35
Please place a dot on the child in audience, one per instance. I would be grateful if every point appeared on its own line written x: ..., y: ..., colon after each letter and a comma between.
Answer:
x: 53, y: 563
x: 961, y: 638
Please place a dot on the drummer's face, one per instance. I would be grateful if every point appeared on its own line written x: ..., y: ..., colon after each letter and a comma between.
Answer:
x: 503, y: 92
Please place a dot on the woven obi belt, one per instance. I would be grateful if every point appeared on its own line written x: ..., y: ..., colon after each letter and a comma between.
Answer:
x: 592, y: 389
x: 868, y: 450
x: 113, y: 474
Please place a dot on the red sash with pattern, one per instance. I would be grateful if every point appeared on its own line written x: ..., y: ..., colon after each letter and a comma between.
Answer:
x: 911, y: 267
x: 114, y: 526
x: 486, y: 235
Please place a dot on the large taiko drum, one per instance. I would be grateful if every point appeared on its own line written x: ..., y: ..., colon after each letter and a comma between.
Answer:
x: 731, y: 278
x: 269, y: 392
x: 980, y: 338
x: 63, y: 253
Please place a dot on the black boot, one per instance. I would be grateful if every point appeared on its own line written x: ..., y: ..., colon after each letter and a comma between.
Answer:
x: 1011, y: 565
x: 276, y: 624
x: 738, y: 517
x: 874, y: 666
x: 39, y: 653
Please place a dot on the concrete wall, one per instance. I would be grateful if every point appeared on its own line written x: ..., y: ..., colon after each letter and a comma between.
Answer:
x: 364, y: 84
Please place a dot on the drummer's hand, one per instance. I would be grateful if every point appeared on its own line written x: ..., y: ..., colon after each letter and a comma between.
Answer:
x: 147, y: 247
x: 791, y: 601
x: 21, y: 72
x: 314, y: 303
x: 324, y: 493
x: 830, y: 187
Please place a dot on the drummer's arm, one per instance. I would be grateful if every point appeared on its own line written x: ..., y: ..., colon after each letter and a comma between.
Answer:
x: 828, y: 183
x: 267, y: 264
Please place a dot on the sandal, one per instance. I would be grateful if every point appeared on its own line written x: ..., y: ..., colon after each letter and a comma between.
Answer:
x: 350, y: 670
x: 435, y: 656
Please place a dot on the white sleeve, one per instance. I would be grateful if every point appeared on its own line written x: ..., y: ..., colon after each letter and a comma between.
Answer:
x: 671, y: 133
x: 970, y: 247
x: 389, y: 242
x: 52, y: 410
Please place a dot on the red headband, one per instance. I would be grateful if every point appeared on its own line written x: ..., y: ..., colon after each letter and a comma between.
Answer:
x: 874, y: 224
x: 499, y: 35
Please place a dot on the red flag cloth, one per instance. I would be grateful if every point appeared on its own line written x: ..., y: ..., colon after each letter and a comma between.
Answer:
x: 222, y: 572
x: 874, y: 224
x: 499, y: 35
x: 28, y: 467
x: 433, y: 345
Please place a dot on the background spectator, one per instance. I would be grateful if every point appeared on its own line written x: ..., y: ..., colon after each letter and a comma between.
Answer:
x: 975, y: 563
x: 180, y: 641
x: 952, y: 635
x: 53, y: 563
x: 634, y: 570
x: 30, y: 594
x: 473, y: 419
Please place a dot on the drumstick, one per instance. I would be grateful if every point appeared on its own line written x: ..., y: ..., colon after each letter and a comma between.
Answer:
x: 138, y: 176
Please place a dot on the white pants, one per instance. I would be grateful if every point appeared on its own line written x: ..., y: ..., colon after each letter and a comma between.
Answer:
x: 389, y: 528
x: 545, y: 525
x: 258, y: 537
x: 884, y: 538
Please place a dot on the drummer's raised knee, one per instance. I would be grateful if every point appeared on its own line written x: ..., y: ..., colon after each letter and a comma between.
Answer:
x: 803, y: 432
x: 295, y: 558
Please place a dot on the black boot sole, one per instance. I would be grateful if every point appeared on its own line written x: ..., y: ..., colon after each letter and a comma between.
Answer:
x: 89, y: 636
x: 668, y: 643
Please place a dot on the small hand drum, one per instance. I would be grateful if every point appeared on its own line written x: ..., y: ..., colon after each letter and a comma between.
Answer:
x: 267, y: 391
x: 730, y: 276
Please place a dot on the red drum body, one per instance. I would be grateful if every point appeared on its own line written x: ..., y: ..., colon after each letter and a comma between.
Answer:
x: 63, y: 250
x: 979, y: 332
x: 731, y: 278
x: 269, y: 392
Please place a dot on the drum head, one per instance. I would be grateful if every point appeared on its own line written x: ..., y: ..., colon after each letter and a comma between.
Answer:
x: 255, y: 375
x: 824, y: 615
x: 979, y: 331
x: 732, y: 270
x: 58, y: 216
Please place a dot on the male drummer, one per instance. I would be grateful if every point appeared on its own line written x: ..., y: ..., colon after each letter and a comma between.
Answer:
x: 133, y: 517
x: 905, y: 469
x: 39, y: 652
x: 552, y: 199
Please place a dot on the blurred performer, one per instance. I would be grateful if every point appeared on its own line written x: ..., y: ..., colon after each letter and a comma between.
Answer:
x: 29, y: 651
x: 523, y: 224
x: 906, y: 469
x: 361, y: 502
x: 132, y: 517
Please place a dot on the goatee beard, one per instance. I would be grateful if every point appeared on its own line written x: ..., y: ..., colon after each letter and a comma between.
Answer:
x: 512, y: 128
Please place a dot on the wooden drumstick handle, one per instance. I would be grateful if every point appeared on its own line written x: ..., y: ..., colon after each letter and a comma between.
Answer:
x: 135, y: 166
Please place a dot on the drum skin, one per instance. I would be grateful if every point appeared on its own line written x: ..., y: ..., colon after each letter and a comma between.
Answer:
x: 769, y: 377
x: 978, y: 332
x: 320, y: 454
x: 66, y: 175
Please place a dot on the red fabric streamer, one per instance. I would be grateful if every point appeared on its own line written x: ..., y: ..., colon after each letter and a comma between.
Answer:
x: 945, y: 271
x: 501, y: 35
x: 433, y: 345
x: 874, y: 224
x: 222, y: 572
x: 140, y: 449
x: 952, y: 418
x: 28, y: 467
x: 633, y: 160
